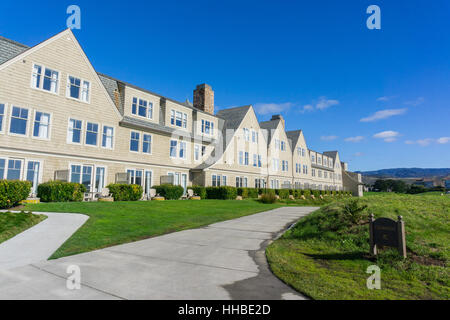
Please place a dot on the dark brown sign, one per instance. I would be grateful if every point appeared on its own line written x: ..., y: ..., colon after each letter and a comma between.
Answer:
x: 387, y: 232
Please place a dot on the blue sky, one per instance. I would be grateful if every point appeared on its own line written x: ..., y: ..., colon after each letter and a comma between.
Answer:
x: 380, y: 97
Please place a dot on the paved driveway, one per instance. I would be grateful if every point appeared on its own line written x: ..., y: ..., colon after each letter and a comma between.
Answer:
x: 225, y: 260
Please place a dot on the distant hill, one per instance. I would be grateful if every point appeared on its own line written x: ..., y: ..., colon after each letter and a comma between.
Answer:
x: 408, y: 173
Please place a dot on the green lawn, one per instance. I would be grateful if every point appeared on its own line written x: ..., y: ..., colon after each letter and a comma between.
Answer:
x: 120, y: 222
x: 326, y: 257
x: 12, y: 224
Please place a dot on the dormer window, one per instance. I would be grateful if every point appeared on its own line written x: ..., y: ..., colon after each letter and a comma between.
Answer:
x: 178, y: 119
x: 142, y: 108
x: 78, y: 89
x: 207, y: 127
x: 45, y: 79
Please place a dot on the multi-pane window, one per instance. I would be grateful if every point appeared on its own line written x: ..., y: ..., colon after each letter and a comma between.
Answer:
x: 207, y: 127
x: 305, y: 169
x: 283, y: 146
x: 320, y: 173
x: 178, y: 119
x: 313, y: 158
x: 196, y: 152
x: 255, y: 137
x: 75, y: 175
x: 134, y: 141
x: 2, y: 168
x: 218, y: 180
x: 246, y: 134
x: 108, y: 137
x: 284, y: 165
x: 241, y: 182
x: 325, y: 163
x: 91, y: 133
x: 299, y: 151
x: 241, y: 158
x: 82, y: 174
x: 303, y: 152
x: 319, y: 160
x: 325, y: 174
x: 277, y: 144
x: 246, y: 158
x: 260, y: 183
x: 19, y: 119
x: 255, y: 160
x: 2, y: 115
x: 142, y: 108
x: 14, y: 169
x: 41, y: 125
x: 99, y: 179
x: 47, y: 80
x: 147, y: 144
x: 313, y: 172
x: 182, y: 152
x: 173, y: 148
x: 74, y: 134
x: 276, y: 164
x: 135, y: 176
x: 33, y: 174
x: 78, y: 89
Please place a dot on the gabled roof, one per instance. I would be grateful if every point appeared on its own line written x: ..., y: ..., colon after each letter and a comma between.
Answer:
x: 10, y: 49
x: 294, y: 136
x: 234, y: 116
x: 269, y: 126
x: 331, y: 154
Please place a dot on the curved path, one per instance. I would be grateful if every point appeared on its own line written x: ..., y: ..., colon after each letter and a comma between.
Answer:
x: 225, y: 260
x: 39, y: 242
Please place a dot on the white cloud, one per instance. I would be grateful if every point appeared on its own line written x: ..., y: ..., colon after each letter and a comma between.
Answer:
x: 328, y: 138
x: 354, y: 139
x: 384, y: 114
x: 415, y: 102
x: 428, y: 141
x: 384, y: 99
x: 443, y: 140
x: 322, y: 104
x: 387, y: 136
x: 325, y: 103
x: 358, y: 154
x: 272, y: 108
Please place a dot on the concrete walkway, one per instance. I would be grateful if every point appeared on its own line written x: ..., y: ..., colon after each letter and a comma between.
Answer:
x: 225, y: 260
x: 38, y: 243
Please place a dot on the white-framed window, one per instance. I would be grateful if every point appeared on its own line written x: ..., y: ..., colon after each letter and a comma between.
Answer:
x: 285, y: 165
x: 86, y: 175
x: 305, y: 169
x: 135, y: 176
x: 147, y: 143
x: 135, y: 139
x: 19, y: 120
x: 260, y: 183
x: 10, y: 169
x: 319, y: 160
x: 283, y: 146
x: 299, y: 151
x: 78, y: 89
x: 74, y: 131
x: 259, y: 161
x: 178, y: 149
x: 255, y: 137
x: 142, y: 108
x: 277, y: 144
x: 320, y: 173
x: 197, y: 152
x: 246, y: 160
x: 217, y: 180
x: 275, y: 184
x: 313, y: 158
x: 241, y: 182
x: 325, y: 163
x: 100, y: 179
x: 2, y: 116
x: 241, y: 158
x: 41, y: 128
x: 246, y: 134
x: 303, y: 152
x: 108, y: 137
x: 207, y: 127
x: 255, y: 160
x: 325, y: 175
x: 276, y: 164
x: 91, y: 134
x: 32, y: 174
x: 178, y: 118
x: 330, y: 163
x: 45, y: 79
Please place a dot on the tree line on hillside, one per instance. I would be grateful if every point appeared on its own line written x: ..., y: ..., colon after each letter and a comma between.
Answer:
x: 398, y: 186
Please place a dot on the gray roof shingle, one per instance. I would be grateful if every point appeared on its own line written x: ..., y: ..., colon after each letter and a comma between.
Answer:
x: 10, y: 49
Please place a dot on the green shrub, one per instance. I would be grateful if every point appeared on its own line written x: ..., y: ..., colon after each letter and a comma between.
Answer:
x: 306, y: 193
x: 125, y: 192
x: 199, y: 191
x: 316, y: 193
x: 12, y: 192
x: 268, y: 198
x: 243, y: 192
x: 169, y: 192
x: 221, y: 193
x: 253, y: 193
x: 283, y: 193
x: 58, y: 191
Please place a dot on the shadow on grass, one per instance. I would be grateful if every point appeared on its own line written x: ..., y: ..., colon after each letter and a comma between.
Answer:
x: 340, y: 256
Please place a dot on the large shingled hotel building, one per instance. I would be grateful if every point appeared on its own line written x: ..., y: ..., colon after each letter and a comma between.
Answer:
x: 60, y: 119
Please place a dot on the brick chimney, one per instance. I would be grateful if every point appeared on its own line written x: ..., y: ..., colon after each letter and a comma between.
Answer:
x: 204, y: 98
x: 279, y: 117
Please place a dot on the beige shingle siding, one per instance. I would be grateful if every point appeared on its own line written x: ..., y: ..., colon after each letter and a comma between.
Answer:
x: 111, y: 105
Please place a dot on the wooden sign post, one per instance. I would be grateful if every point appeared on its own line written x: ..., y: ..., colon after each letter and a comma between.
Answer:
x: 387, y: 232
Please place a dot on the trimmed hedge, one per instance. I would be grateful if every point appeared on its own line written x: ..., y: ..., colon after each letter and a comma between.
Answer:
x: 12, y: 192
x: 221, y: 193
x: 58, y: 191
x: 199, y: 191
x: 169, y: 192
x: 283, y: 193
x: 125, y: 192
